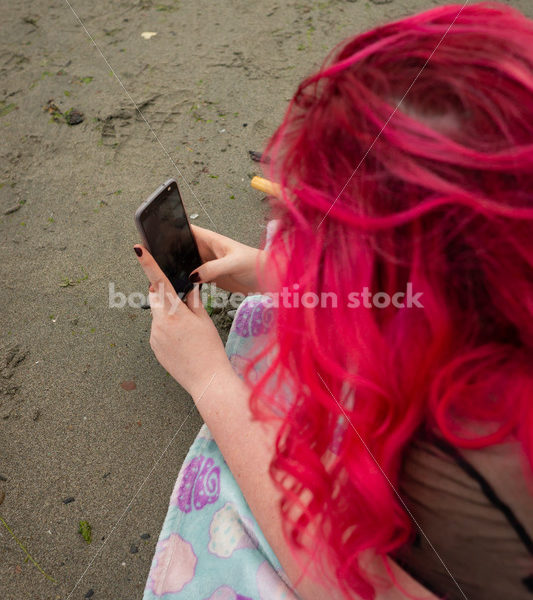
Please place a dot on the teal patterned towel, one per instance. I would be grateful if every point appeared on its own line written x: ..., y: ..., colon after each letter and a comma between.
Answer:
x: 211, y: 547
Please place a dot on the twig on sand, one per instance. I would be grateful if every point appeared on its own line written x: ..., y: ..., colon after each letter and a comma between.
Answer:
x: 28, y: 555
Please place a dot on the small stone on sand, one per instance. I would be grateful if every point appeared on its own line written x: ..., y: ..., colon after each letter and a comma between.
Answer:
x: 74, y: 117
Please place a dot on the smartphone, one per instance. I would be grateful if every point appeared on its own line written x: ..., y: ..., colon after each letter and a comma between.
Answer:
x: 166, y: 234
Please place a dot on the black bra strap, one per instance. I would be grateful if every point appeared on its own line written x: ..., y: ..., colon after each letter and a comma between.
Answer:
x: 486, y: 488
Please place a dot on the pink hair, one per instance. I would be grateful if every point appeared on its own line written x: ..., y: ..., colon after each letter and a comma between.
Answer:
x: 441, y: 198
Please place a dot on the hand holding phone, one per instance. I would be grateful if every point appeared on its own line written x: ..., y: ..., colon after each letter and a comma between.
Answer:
x: 165, y: 231
x: 229, y: 264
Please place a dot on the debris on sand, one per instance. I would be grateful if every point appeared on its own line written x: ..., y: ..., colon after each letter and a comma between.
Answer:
x: 5, y: 109
x: 28, y: 555
x: 85, y: 530
x: 51, y: 108
x: 148, y: 34
x: 73, y: 117
x: 128, y: 385
x: 258, y: 156
x: 31, y: 21
x: 12, y: 209
x: 255, y: 156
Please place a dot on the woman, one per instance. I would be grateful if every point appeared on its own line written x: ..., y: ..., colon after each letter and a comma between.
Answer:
x: 384, y: 448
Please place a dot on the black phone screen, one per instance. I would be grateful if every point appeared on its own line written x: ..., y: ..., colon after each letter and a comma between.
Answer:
x: 169, y: 238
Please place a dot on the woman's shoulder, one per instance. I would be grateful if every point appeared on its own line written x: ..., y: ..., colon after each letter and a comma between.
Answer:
x: 473, y: 510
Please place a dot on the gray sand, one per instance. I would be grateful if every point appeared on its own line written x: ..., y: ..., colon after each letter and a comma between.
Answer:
x: 213, y: 83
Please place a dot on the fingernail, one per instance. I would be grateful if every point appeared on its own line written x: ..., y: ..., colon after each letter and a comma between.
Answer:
x: 138, y: 251
x: 194, y: 278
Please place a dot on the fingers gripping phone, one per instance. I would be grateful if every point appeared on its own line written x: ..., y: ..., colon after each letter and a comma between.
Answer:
x: 166, y: 233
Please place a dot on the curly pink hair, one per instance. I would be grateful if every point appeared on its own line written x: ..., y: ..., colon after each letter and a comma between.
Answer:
x: 438, y: 194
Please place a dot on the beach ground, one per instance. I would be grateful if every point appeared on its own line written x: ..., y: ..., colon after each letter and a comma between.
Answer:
x: 91, y: 427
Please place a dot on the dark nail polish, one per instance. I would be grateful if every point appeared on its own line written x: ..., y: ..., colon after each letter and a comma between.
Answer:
x: 194, y: 278
x: 138, y: 251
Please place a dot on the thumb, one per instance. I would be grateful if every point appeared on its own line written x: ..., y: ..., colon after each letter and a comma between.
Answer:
x: 210, y: 271
x: 194, y: 302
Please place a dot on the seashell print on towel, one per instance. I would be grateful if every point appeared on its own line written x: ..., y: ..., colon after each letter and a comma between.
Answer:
x: 199, y: 484
x: 226, y: 593
x: 175, y: 565
x: 254, y: 318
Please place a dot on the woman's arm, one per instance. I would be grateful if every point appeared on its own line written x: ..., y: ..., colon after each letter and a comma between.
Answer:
x: 187, y: 344
x: 248, y: 446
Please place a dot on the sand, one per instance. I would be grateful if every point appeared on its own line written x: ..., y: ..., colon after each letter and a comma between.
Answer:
x: 212, y: 84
